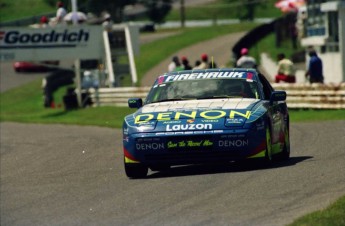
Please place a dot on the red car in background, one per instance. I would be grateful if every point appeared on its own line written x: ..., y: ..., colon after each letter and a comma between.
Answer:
x: 44, y: 66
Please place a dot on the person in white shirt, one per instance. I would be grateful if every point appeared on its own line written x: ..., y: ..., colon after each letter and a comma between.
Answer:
x: 246, y: 61
x: 60, y: 13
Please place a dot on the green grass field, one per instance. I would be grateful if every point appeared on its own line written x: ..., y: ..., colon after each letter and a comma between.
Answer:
x: 18, y: 9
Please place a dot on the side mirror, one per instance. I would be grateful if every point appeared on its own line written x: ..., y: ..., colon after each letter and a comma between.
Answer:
x: 135, y: 102
x: 278, y: 96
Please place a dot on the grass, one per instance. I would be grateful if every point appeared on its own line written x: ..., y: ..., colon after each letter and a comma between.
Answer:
x: 334, y: 215
x: 268, y: 45
x: 25, y: 104
x: 15, y: 9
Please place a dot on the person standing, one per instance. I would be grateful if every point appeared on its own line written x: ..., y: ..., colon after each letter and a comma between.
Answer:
x: 185, y: 63
x: 60, y: 13
x: 246, y: 61
x: 204, y: 63
x: 315, y: 69
x: 286, y: 70
x: 44, y: 22
x: 108, y: 27
x: 175, y: 65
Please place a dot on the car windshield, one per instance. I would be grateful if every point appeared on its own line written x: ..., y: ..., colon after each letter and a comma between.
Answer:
x: 203, y: 89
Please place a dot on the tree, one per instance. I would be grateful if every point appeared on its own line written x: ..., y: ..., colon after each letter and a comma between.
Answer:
x: 157, y: 10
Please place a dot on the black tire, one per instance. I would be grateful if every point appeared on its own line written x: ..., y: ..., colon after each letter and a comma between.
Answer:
x: 136, y: 170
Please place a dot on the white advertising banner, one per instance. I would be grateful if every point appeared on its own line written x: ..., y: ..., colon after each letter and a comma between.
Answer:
x: 56, y: 43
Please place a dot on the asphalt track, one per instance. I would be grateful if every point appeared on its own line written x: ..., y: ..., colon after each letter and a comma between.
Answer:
x: 72, y: 175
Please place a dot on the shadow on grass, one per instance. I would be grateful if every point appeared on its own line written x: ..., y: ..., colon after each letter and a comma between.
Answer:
x: 232, y: 167
x: 56, y: 114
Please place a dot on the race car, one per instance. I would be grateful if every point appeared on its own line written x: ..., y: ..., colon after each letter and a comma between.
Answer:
x: 206, y: 116
x: 45, y: 66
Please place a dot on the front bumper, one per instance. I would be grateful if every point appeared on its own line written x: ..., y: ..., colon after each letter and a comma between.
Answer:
x: 201, y: 147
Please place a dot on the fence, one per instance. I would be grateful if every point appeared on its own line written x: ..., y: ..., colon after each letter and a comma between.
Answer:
x: 308, y: 96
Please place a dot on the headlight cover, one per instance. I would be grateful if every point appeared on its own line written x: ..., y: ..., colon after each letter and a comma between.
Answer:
x: 234, y: 122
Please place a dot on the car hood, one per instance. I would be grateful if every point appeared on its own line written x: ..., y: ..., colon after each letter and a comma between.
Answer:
x: 238, y: 103
x: 215, y: 114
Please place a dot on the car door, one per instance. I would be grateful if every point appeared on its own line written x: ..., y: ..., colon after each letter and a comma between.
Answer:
x: 274, y: 109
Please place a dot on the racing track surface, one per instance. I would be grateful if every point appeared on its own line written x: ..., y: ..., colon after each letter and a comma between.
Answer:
x: 72, y: 175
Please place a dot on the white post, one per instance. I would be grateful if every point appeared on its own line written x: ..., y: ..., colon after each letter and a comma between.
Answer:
x: 74, y: 12
x: 78, y: 81
x: 108, y: 61
x: 131, y: 55
x: 341, y: 18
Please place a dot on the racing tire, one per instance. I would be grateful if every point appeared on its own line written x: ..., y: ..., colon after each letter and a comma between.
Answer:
x: 136, y: 170
x: 285, y: 154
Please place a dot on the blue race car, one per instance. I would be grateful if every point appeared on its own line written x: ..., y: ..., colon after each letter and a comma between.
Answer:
x: 205, y: 116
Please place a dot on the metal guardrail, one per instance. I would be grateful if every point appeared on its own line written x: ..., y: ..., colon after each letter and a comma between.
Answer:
x: 299, y: 96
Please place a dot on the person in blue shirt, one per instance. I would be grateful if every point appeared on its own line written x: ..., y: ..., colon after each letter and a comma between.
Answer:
x: 315, y: 70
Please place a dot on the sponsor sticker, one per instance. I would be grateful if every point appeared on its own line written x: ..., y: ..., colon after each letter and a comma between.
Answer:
x: 189, y: 143
x: 233, y: 143
x: 188, y: 127
x: 178, y: 115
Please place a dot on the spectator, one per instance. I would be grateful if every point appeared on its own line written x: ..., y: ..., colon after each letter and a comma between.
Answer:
x: 108, y: 26
x: 205, y: 64
x: 197, y: 64
x: 107, y: 22
x: 43, y: 22
x: 315, y: 71
x: 286, y: 70
x: 60, y: 13
x: 185, y: 63
x: 246, y: 61
x: 175, y: 65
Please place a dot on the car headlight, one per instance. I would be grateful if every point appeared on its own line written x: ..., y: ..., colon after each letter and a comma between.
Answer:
x: 147, y: 126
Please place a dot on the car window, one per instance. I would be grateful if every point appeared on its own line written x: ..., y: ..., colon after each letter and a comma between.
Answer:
x: 266, y: 86
x: 203, y: 89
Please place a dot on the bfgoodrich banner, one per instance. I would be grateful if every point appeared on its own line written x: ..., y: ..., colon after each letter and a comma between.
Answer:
x: 38, y: 44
